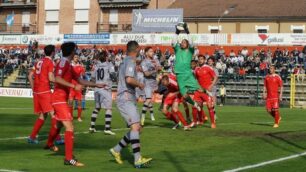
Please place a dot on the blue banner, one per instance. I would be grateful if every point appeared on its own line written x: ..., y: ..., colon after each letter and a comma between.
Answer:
x: 103, y: 38
x: 160, y: 20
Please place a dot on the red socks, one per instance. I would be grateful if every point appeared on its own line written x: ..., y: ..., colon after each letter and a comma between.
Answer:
x: 180, y: 116
x: 194, y: 115
x: 276, y: 117
x: 37, y: 126
x: 69, y: 139
x: 212, y: 115
x: 79, y: 112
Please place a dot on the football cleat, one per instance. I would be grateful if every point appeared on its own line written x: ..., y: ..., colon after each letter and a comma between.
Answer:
x: 52, y: 148
x: 175, y: 126
x: 152, y: 118
x: 187, y: 128
x: 60, y: 142
x: 192, y: 124
x: 142, y: 120
x: 213, y: 125
x: 142, y: 162
x: 32, y: 141
x: 275, y: 126
x: 73, y: 162
x: 109, y: 132
x: 80, y: 119
x: 116, y: 155
x: 92, y: 130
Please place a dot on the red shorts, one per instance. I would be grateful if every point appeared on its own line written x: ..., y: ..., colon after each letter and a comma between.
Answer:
x: 42, y: 102
x: 202, y: 97
x: 170, y: 99
x: 62, y: 111
x: 75, y: 95
x: 272, y: 104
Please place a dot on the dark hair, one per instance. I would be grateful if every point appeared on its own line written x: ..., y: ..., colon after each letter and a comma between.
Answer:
x: 131, y: 46
x: 101, y: 56
x: 201, y: 55
x: 165, y: 77
x: 49, y: 49
x: 211, y: 58
x: 186, y: 41
x: 68, y: 48
x: 147, y: 49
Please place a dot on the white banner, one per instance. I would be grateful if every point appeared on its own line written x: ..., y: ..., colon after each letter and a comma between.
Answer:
x: 143, y: 39
x: 15, y: 92
x: 42, y: 39
x: 10, y: 39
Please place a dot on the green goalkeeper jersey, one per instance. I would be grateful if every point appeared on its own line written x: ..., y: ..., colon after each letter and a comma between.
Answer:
x: 183, y: 59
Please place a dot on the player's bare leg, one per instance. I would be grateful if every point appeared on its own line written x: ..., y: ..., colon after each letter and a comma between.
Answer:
x: 187, y: 113
x: 69, y: 142
x: 80, y: 110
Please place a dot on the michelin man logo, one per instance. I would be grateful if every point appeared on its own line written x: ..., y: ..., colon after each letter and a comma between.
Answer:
x: 139, y: 17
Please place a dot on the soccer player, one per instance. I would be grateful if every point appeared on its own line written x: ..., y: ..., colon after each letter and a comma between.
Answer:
x: 63, y: 82
x: 272, y: 93
x: 150, y: 67
x: 126, y: 103
x: 40, y: 79
x: 73, y: 94
x: 173, y: 99
x: 183, y: 56
x: 207, y: 79
x: 104, y: 73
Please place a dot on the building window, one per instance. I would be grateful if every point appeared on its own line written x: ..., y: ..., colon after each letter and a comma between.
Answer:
x: 25, y: 19
x: 51, y: 29
x: 113, y: 17
x: 298, y: 29
x: 52, y: 16
x: 52, y: 4
x: 262, y: 31
x: 215, y: 29
x: 81, y: 16
x: 81, y: 4
x: 81, y: 29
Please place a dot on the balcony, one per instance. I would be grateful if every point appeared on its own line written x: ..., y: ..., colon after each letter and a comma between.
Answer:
x: 18, y: 3
x: 17, y: 28
x: 123, y: 3
x: 114, y: 28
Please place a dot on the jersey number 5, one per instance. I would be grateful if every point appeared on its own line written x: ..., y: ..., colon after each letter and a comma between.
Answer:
x: 100, y: 74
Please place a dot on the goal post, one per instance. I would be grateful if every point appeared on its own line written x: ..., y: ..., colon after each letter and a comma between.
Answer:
x: 298, y: 91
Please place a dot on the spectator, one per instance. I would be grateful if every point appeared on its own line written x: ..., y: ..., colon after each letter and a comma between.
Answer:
x: 284, y: 74
x: 222, y: 95
x: 242, y: 74
x: 245, y: 52
x: 230, y: 73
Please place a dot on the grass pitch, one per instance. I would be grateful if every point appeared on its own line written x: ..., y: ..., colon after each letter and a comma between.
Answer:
x: 244, y: 136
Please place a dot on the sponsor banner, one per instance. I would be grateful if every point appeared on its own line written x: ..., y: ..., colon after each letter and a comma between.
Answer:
x: 142, y: 39
x: 42, y: 39
x: 103, y: 38
x: 157, y: 20
x: 10, y: 39
x: 268, y: 39
x: 15, y: 92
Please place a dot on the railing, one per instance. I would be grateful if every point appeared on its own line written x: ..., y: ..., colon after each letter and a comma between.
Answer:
x: 120, y: 27
x: 10, y: 3
x: 17, y: 28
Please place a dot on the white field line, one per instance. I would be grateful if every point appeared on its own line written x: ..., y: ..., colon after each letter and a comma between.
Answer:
x: 76, y: 133
x: 5, y: 170
x: 12, y: 108
x: 266, y: 162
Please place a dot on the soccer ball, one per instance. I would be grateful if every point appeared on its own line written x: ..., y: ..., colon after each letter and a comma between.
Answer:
x: 180, y: 26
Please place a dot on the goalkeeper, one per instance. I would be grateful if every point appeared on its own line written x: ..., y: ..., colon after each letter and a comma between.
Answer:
x: 183, y: 56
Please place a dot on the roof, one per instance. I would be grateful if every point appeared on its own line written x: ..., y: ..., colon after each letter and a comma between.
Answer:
x: 260, y: 9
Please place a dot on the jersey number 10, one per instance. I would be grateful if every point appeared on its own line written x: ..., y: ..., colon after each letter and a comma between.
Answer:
x: 100, y: 74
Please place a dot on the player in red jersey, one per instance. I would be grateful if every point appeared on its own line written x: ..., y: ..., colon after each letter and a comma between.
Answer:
x: 207, y: 79
x: 40, y: 78
x: 272, y: 93
x: 63, y: 82
x: 173, y: 99
x: 73, y: 94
